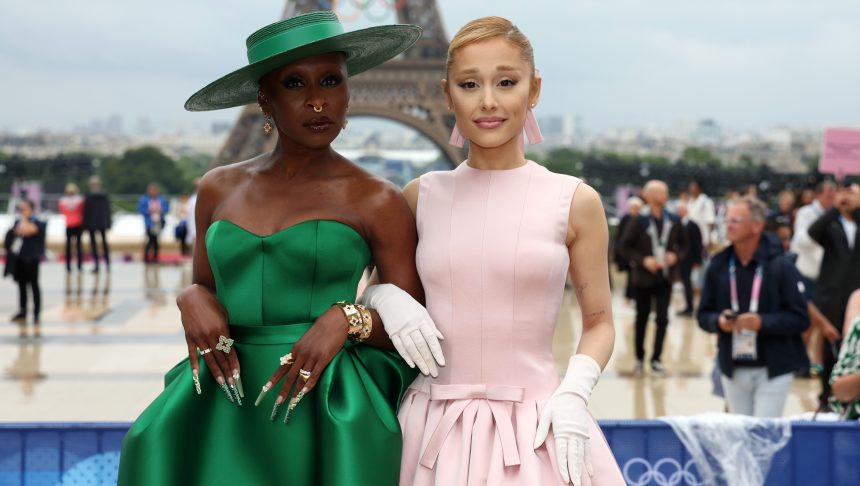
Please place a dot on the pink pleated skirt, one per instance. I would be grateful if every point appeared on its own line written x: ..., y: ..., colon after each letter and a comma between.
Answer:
x: 486, y: 442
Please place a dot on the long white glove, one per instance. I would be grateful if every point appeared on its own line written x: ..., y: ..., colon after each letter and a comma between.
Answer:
x: 409, y: 326
x: 567, y: 411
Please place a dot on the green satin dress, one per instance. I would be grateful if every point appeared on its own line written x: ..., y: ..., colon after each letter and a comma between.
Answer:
x: 345, y: 431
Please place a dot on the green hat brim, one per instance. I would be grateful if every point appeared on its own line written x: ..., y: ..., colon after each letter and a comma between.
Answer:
x: 364, y: 49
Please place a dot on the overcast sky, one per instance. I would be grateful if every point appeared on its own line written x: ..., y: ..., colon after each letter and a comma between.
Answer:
x: 746, y: 63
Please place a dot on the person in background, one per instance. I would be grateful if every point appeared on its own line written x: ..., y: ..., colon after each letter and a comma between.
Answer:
x: 819, y: 324
x: 190, y: 223
x: 26, y: 242
x: 693, y: 259
x: 701, y: 211
x: 72, y: 207
x: 97, y: 220
x: 654, y: 244
x: 807, y: 195
x: 752, y: 299
x: 180, y: 232
x: 837, y: 233
x: 809, y: 253
x: 634, y: 206
x: 845, y: 379
x: 153, y: 206
x: 783, y: 215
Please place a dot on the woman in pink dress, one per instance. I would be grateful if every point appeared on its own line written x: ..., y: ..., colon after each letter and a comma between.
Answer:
x: 497, y: 238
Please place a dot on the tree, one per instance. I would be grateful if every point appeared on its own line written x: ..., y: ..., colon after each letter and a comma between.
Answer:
x: 564, y: 161
x: 700, y: 157
x: 138, y: 167
x: 746, y: 161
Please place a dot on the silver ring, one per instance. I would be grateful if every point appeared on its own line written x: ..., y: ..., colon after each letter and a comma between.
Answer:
x: 287, y: 359
x: 204, y: 351
x: 305, y: 374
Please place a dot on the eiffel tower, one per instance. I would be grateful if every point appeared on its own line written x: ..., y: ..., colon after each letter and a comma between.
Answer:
x: 405, y: 89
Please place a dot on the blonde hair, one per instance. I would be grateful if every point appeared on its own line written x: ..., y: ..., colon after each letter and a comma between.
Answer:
x: 72, y: 188
x: 487, y: 28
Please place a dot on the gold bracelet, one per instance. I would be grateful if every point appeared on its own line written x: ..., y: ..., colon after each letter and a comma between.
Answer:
x: 354, y: 320
x: 366, y: 323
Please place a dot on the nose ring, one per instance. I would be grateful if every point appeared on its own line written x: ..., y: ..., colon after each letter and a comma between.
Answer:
x: 318, y: 109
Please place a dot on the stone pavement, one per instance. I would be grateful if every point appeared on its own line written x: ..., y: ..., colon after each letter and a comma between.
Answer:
x: 106, y: 341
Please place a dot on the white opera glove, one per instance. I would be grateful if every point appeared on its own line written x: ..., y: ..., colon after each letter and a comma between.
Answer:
x: 409, y: 326
x: 567, y: 411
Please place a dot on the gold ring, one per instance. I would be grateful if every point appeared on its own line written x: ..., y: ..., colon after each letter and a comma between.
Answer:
x: 305, y: 374
x: 318, y: 109
x: 287, y: 359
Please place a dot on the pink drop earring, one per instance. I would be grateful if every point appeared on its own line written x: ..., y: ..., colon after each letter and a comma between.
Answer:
x: 457, y: 139
x: 532, y: 129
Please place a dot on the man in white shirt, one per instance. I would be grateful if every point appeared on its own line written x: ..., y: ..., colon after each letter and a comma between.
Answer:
x: 700, y: 210
x: 809, y: 253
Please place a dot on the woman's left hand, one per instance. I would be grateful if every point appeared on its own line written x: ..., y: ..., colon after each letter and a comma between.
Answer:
x: 312, y: 353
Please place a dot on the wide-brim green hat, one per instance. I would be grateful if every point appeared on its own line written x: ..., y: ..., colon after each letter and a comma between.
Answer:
x: 283, y: 42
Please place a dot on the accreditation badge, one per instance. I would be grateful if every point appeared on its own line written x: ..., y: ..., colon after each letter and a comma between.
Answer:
x: 744, y: 345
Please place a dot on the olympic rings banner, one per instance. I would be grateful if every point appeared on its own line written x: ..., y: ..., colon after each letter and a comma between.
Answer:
x: 665, y: 472
x: 647, y: 451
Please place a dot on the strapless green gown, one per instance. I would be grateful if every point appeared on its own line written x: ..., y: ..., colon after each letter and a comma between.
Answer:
x: 345, y: 431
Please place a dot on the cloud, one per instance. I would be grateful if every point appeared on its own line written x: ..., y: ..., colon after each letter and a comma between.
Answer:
x: 613, y: 62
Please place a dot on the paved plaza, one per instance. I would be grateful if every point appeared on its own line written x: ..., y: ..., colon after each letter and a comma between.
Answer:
x: 106, y: 341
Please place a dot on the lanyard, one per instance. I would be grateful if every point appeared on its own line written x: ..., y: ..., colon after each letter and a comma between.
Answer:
x: 756, y: 286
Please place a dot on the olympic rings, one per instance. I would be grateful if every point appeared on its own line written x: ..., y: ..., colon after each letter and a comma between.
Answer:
x: 658, y: 473
x: 360, y: 7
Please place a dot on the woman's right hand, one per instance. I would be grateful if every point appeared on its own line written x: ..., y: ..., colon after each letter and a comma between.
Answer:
x: 206, y: 329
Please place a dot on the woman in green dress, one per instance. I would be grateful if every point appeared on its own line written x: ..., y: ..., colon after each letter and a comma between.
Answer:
x: 287, y: 235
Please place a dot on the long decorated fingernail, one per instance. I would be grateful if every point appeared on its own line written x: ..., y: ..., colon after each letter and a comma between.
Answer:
x: 294, y: 403
x: 278, y: 403
x: 226, y: 391
x: 266, y: 388
x: 195, y: 375
x: 238, y: 379
x: 236, y: 393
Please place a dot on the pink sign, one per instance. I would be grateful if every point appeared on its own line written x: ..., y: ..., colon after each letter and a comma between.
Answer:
x: 840, y: 152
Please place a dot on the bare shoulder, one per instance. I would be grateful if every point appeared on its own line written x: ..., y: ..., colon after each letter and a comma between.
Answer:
x: 410, y: 192
x: 586, y: 203
x: 370, y: 193
x: 220, y: 181
x: 586, y: 213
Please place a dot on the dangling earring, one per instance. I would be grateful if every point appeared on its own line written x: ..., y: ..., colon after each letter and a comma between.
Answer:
x: 345, y: 123
x: 532, y: 129
x: 457, y: 139
x: 267, y: 127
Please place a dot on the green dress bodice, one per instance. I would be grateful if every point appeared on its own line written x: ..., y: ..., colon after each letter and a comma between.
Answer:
x: 344, y: 431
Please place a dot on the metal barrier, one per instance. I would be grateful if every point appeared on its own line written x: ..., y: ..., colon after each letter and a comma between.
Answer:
x: 648, y: 453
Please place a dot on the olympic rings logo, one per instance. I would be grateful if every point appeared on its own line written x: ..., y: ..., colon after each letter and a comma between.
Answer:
x: 374, y: 11
x: 665, y: 472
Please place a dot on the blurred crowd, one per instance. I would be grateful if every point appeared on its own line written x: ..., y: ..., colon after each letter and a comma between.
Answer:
x: 777, y: 283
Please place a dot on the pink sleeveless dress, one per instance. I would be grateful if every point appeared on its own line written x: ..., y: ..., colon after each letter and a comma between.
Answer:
x: 493, y: 261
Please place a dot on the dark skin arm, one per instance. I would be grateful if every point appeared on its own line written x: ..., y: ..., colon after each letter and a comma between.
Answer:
x: 203, y: 317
